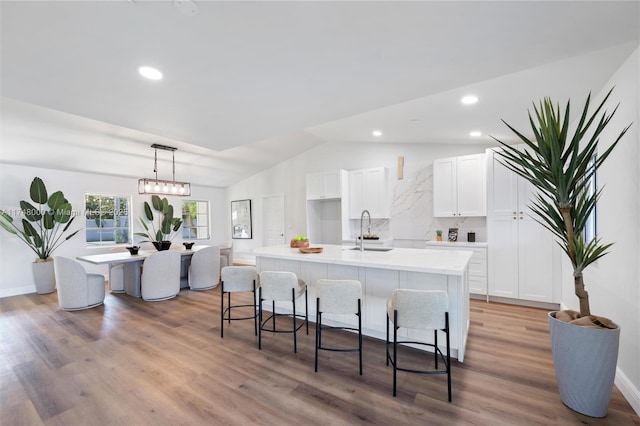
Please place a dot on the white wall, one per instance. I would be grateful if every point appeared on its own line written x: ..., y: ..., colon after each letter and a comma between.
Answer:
x: 613, y: 282
x: 15, y: 257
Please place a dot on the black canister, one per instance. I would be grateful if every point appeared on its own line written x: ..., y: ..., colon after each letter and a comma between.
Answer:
x: 471, y: 237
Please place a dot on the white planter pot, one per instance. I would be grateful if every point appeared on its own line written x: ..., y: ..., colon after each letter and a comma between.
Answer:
x: 44, y: 276
x: 585, y: 363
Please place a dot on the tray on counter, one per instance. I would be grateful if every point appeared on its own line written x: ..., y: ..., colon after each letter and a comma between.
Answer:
x: 307, y: 250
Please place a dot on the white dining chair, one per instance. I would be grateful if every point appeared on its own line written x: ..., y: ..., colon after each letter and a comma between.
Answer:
x: 116, y: 273
x: 76, y: 288
x: 204, y: 269
x: 161, y: 276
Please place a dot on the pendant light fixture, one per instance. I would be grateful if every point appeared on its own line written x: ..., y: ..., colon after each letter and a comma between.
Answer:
x: 162, y: 186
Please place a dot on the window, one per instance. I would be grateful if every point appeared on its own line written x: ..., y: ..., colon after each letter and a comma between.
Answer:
x: 107, y: 219
x: 195, y: 220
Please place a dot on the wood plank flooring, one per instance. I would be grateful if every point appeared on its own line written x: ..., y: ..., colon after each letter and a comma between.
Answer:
x: 132, y: 362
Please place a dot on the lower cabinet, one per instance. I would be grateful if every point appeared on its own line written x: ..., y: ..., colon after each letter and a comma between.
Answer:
x: 477, y: 264
x: 524, y: 262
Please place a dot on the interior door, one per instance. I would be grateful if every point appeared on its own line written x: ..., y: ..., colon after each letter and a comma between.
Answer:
x: 273, y: 220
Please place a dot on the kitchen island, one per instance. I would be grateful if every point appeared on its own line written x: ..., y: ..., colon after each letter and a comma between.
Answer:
x: 380, y: 272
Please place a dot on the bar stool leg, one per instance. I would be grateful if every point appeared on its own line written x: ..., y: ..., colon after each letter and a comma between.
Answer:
x: 395, y: 350
x: 222, y: 310
x: 260, y: 319
x: 318, y: 330
x: 293, y: 300
x: 360, y: 336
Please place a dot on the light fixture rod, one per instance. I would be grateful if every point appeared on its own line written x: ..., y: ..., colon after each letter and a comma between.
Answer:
x: 165, y: 147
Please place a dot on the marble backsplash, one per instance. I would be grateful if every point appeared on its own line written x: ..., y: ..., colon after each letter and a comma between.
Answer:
x: 411, y: 221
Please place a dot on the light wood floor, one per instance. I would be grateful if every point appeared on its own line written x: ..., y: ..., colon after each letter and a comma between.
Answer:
x: 132, y: 362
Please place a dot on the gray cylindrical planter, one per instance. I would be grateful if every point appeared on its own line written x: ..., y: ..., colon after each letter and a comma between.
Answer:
x: 585, y: 363
x: 44, y: 276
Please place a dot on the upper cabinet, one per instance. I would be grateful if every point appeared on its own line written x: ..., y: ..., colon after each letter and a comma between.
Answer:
x: 325, y: 185
x: 459, y: 186
x: 368, y: 191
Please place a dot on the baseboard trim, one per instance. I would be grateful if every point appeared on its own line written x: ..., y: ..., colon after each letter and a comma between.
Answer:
x: 521, y: 302
x: 15, y: 291
x: 628, y: 390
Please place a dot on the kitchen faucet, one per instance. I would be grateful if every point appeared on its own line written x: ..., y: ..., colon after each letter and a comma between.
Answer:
x: 362, y: 228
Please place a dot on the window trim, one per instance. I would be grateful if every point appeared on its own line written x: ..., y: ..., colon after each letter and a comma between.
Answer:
x: 106, y: 243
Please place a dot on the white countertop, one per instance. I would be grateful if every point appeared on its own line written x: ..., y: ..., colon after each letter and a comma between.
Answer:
x: 453, y: 262
x: 465, y: 244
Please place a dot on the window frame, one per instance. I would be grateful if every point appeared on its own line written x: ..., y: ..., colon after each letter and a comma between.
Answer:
x: 195, y: 230
x: 109, y: 243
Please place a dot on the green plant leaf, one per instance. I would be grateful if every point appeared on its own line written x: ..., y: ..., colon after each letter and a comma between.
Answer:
x: 144, y: 225
x: 159, y: 236
x: 29, y: 230
x: 6, y: 222
x: 147, y: 212
x: 560, y: 167
x: 56, y: 200
x: 68, y: 224
x: 38, y: 191
x: 29, y: 211
x: 157, y: 203
x: 165, y: 207
x: 48, y: 220
x: 63, y: 213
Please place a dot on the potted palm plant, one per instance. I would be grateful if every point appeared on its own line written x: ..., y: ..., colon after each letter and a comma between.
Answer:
x: 168, y: 225
x: 561, y: 167
x: 43, y: 230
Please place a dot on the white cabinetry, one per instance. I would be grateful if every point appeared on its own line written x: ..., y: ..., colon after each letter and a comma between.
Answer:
x: 523, y: 257
x: 325, y: 185
x: 459, y: 186
x: 477, y: 263
x: 327, y: 207
x: 368, y: 191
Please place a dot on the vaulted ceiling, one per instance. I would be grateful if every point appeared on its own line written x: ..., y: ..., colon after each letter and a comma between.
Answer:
x: 249, y: 84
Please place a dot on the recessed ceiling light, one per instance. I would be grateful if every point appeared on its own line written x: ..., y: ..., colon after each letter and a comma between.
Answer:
x: 376, y: 133
x: 186, y: 7
x: 475, y: 133
x: 150, y: 73
x: 469, y: 100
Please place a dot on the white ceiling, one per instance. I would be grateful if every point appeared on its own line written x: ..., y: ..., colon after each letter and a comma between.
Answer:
x: 249, y: 84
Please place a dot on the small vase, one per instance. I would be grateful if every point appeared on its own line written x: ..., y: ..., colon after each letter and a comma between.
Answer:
x: 162, y: 245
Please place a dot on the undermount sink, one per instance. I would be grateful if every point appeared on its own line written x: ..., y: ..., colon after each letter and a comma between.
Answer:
x: 373, y: 248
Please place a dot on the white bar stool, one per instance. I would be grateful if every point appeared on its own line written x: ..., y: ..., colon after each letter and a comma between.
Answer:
x: 338, y: 297
x: 281, y: 286
x: 421, y: 310
x: 236, y: 279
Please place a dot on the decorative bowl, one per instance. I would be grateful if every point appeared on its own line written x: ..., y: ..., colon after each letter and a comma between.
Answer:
x: 299, y: 243
x: 188, y: 245
x: 133, y: 249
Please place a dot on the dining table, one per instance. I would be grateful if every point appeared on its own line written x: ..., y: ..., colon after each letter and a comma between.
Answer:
x: 132, y: 264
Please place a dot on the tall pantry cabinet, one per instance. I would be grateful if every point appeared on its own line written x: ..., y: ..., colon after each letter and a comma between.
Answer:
x: 524, y: 261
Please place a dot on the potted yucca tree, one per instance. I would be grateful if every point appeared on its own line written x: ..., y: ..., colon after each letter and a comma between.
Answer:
x: 561, y: 166
x: 46, y: 220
